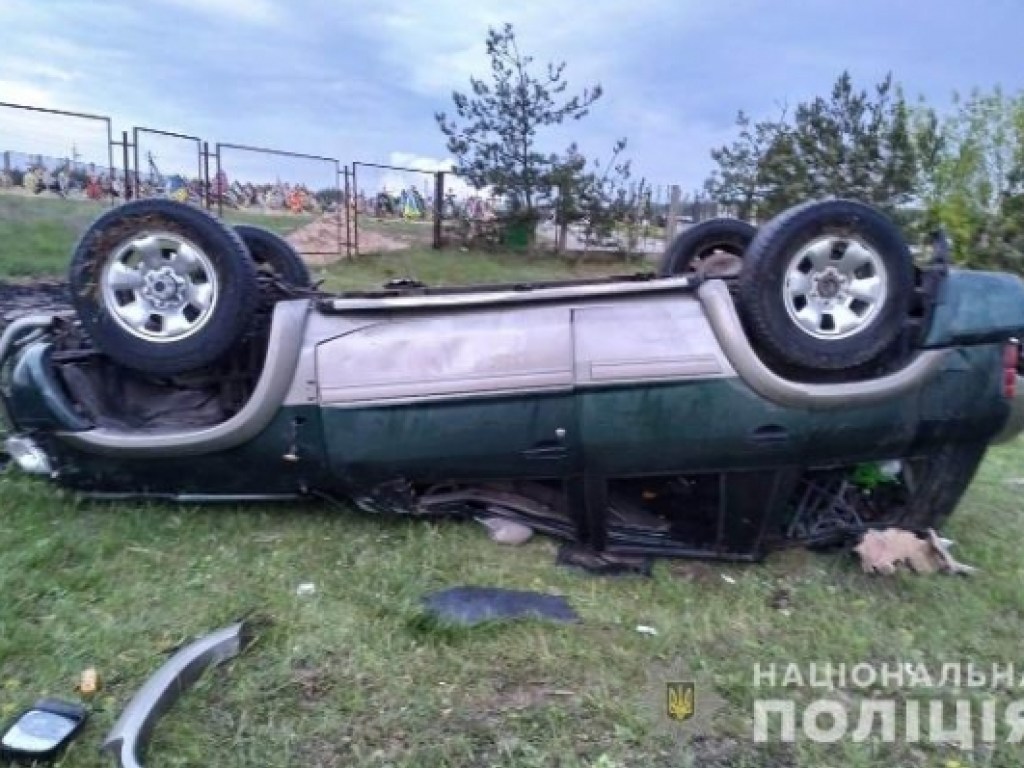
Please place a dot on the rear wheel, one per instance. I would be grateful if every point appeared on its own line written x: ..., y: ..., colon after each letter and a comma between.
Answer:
x: 162, y: 287
x: 827, y: 286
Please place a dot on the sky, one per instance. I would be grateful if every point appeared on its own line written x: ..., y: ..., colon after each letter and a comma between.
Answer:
x: 361, y: 80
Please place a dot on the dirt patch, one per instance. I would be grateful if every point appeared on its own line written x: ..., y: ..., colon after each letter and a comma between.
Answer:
x: 27, y: 297
x: 313, y: 682
x: 323, y: 241
x: 695, y: 571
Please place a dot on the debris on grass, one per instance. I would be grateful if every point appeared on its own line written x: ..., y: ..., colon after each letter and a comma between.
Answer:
x: 643, y: 629
x: 504, y: 531
x: 89, y: 682
x: 306, y: 589
x: 469, y: 606
x: 781, y: 599
x: 887, y: 551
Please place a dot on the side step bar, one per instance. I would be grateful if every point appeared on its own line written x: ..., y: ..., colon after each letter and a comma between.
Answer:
x: 721, y: 312
x: 283, y: 350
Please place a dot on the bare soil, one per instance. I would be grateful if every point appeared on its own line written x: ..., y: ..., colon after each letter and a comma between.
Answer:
x: 26, y: 297
x: 322, y: 241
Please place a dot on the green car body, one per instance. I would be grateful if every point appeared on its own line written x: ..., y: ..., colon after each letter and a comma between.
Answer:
x: 374, y: 397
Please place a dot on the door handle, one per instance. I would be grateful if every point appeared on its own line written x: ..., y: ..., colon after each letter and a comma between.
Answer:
x: 548, y: 449
x: 548, y: 452
x: 768, y: 434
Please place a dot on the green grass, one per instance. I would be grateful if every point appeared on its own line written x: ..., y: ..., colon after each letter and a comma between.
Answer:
x: 456, y: 267
x: 352, y: 676
x: 37, y: 234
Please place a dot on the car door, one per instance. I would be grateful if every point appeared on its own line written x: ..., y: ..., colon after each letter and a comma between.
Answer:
x: 456, y: 395
x: 656, y: 394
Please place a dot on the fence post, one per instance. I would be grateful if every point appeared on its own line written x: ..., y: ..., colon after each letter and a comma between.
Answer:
x: 127, y: 166
x: 216, y: 180
x: 673, y: 214
x: 355, y: 211
x: 438, y: 207
x: 135, y: 161
x: 346, y: 206
x: 205, y: 180
x: 340, y: 208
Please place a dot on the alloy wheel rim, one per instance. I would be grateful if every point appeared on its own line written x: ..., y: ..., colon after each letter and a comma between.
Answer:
x: 160, y: 287
x: 834, y: 287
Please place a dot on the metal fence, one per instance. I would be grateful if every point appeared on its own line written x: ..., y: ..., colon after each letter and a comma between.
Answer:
x: 76, y: 156
x: 168, y: 164
x: 327, y: 209
x: 254, y: 181
x: 54, y: 152
x: 392, y: 204
x: 60, y: 177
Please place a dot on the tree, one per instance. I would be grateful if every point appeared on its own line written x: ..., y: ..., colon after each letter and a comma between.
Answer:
x: 738, y: 181
x: 597, y: 197
x: 851, y: 144
x: 973, y: 185
x: 496, y: 133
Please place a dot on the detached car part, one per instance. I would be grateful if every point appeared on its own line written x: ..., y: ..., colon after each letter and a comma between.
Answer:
x: 42, y: 732
x: 130, y: 735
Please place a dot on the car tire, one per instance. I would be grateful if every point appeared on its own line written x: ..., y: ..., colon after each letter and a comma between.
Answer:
x: 274, y: 256
x: 826, y: 286
x: 162, y: 287
x: 705, y: 241
x: 936, y: 482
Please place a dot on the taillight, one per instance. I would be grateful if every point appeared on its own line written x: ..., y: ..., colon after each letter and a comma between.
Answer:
x: 1011, y: 357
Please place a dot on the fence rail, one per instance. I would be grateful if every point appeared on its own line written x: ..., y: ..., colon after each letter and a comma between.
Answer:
x: 334, y: 209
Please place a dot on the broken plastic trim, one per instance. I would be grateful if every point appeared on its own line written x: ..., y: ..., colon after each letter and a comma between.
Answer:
x: 28, y: 456
x: 130, y: 735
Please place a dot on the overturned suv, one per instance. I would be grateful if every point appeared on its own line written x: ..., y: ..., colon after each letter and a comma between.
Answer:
x: 797, y: 383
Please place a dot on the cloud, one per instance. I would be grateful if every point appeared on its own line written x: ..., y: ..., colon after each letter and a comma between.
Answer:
x: 361, y: 80
x: 423, y: 179
x: 259, y: 12
x: 21, y: 92
x: 38, y: 69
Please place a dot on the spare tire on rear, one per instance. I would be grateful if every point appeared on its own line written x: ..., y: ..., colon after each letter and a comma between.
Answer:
x: 162, y: 287
x: 827, y: 286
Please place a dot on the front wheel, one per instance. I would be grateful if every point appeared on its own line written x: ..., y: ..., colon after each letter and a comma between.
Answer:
x: 713, y: 247
x: 936, y: 482
x: 274, y: 256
